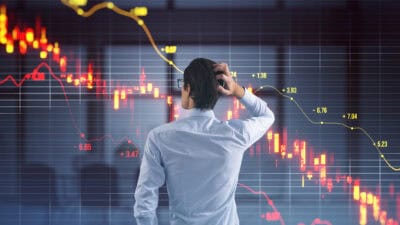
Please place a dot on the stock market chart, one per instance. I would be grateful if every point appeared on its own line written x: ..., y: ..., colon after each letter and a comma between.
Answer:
x: 82, y: 82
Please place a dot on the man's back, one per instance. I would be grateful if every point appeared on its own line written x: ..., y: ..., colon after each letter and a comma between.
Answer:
x: 199, y: 157
x: 202, y: 164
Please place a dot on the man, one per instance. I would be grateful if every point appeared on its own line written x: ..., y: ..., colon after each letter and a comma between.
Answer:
x: 199, y: 157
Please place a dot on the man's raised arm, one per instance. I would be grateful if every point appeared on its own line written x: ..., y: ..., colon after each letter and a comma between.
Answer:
x: 261, y: 116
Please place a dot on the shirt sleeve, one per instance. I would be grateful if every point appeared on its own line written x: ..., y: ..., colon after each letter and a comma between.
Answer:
x: 261, y: 119
x: 151, y: 178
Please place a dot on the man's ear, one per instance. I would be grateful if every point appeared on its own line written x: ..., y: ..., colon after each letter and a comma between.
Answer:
x: 187, y: 88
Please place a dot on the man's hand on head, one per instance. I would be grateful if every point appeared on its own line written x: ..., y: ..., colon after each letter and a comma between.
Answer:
x: 231, y: 87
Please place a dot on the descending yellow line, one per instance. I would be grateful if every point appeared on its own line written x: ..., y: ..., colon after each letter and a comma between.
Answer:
x: 397, y: 169
x: 140, y: 22
x: 111, y: 6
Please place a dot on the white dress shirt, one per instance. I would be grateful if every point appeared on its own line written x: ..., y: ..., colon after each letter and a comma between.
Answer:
x: 199, y: 158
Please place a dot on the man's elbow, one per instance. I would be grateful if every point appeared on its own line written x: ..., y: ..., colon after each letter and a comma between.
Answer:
x: 269, y: 119
x: 272, y: 117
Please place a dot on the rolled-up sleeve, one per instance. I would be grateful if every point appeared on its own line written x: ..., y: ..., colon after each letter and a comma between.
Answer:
x: 151, y: 178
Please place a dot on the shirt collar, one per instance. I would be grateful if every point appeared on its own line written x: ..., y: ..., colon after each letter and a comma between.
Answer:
x: 199, y: 112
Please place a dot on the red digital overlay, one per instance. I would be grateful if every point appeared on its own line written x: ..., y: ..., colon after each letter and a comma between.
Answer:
x: 314, y: 166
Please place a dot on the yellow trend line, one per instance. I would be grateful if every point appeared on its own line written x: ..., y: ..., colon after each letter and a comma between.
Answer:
x: 396, y: 169
x: 140, y: 22
x: 111, y: 6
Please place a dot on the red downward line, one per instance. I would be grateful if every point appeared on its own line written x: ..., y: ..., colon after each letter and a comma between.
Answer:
x: 36, y: 72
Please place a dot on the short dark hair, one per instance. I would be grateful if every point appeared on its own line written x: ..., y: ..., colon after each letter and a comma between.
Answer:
x: 203, y: 83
